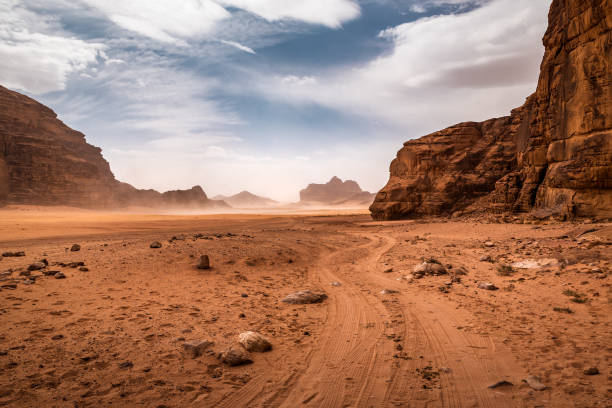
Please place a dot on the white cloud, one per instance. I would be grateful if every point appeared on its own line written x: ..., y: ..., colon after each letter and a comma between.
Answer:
x: 238, y: 46
x: 37, y: 62
x: 442, y: 70
x: 163, y: 20
x: 330, y: 13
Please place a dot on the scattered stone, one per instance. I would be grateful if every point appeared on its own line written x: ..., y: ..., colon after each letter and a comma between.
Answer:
x: 36, y: 266
x: 235, y: 356
x: 535, y: 263
x: 13, y: 254
x: 591, y: 371
x: 534, y: 382
x: 25, y: 273
x: 195, y: 348
x: 428, y: 268
x: 50, y: 273
x: 336, y: 284
x: 84, y: 269
x: 60, y: 275
x: 388, y: 270
x: 254, y: 342
x: 126, y: 364
x: 487, y: 286
x: 204, y: 262
x: 499, y: 384
x: 9, y: 286
x: 57, y: 337
x: 304, y: 297
x: 486, y: 258
x: 75, y: 248
x: 388, y: 291
x: 155, y: 245
x: 460, y: 271
x: 489, y: 244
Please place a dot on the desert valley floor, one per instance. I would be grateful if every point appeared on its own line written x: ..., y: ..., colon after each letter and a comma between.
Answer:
x: 112, y: 332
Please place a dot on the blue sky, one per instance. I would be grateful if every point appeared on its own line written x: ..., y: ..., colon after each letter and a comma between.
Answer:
x: 268, y: 95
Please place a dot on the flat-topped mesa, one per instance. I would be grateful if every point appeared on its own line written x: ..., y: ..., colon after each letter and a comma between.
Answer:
x: 335, y: 192
x: 554, y: 154
x: 44, y: 162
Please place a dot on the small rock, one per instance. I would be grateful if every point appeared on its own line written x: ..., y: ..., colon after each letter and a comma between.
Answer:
x: 591, y: 371
x: 195, y: 348
x: 254, y: 342
x: 388, y: 291
x: 126, y: 364
x: 487, y: 286
x: 336, y: 284
x: 84, y: 269
x: 304, y: 297
x: 235, y: 356
x: 57, y: 337
x: 60, y: 275
x: 499, y: 384
x: 428, y: 268
x: 486, y: 258
x: 489, y: 244
x: 13, y: 254
x: 9, y: 286
x: 25, y: 273
x: 204, y: 262
x: 534, y: 382
x: 460, y: 271
x: 75, y: 248
x: 49, y: 273
x: 155, y: 244
x: 388, y: 270
x: 36, y: 266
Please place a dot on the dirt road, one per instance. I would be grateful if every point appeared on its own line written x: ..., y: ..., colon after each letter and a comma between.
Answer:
x: 113, y: 334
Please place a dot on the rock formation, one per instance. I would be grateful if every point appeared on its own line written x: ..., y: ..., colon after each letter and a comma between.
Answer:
x: 553, y: 155
x: 245, y: 199
x: 335, y: 192
x: 44, y: 162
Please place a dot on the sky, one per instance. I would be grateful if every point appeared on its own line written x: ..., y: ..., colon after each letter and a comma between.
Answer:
x: 268, y: 95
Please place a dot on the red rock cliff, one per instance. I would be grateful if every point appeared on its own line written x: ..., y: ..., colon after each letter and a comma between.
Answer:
x: 44, y: 162
x: 554, y: 153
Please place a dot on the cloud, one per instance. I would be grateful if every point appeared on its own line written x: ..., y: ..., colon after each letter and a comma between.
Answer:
x: 238, y: 46
x: 330, y: 13
x: 38, y: 62
x: 441, y: 70
x: 163, y: 20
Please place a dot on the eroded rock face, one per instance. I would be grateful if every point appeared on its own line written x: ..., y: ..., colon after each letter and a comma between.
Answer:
x: 44, y: 162
x: 553, y: 153
x: 335, y: 192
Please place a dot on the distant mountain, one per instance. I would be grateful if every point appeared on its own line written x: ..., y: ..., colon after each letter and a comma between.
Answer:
x: 244, y: 199
x: 336, y: 193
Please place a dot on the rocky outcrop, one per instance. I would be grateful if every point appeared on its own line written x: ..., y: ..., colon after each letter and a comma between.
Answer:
x: 44, y: 162
x: 335, y: 192
x: 244, y: 199
x: 553, y: 155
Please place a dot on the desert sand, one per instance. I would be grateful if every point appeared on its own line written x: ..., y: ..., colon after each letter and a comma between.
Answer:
x: 112, y: 332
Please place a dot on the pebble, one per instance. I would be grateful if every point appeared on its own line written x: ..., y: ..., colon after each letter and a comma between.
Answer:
x: 84, y: 269
x: 534, y: 382
x: 204, y: 262
x: 591, y: 371
x: 60, y: 275
x: 50, y: 273
x: 254, y: 342
x: 502, y: 383
x: 75, y: 248
x: 487, y: 286
x: 336, y: 284
x: 388, y: 291
x: 36, y: 266
x: 155, y: 244
x: 195, y: 348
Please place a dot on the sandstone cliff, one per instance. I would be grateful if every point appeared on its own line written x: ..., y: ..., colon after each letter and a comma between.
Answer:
x: 335, y: 192
x: 44, y: 162
x: 554, y: 154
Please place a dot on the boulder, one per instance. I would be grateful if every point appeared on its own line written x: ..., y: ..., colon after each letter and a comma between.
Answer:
x: 254, y: 342
x: 195, y: 348
x: 304, y: 297
x: 428, y: 268
x: 235, y: 356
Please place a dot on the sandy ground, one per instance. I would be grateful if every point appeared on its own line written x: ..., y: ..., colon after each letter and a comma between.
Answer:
x: 112, y: 335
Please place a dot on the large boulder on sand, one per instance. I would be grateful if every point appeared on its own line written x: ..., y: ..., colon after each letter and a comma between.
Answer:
x: 254, y: 342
